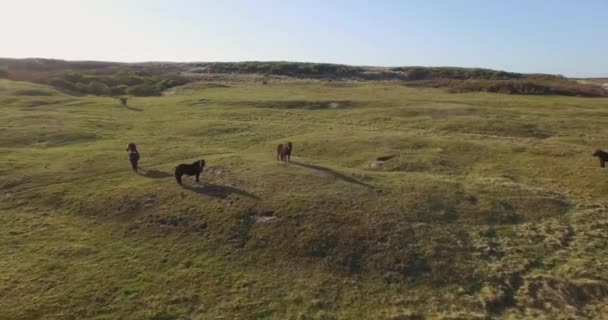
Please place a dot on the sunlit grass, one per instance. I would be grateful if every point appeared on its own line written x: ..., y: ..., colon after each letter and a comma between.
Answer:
x: 488, y: 196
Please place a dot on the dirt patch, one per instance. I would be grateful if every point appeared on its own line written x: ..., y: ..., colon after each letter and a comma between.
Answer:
x: 378, y: 163
x: 302, y: 104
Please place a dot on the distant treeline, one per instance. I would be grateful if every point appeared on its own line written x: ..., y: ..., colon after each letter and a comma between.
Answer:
x: 526, y: 86
x: 92, y: 77
x: 334, y: 71
x: 149, y: 79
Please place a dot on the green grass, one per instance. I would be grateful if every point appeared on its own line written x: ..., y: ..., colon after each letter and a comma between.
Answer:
x: 493, y: 207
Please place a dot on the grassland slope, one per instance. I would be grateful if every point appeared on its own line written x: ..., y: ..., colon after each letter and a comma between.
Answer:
x: 491, y: 208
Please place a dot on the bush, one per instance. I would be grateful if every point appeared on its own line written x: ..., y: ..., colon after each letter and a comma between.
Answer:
x: 119, y: 90
x: 73, y: 77
x: 98, y: 88
x: 63, y: 85
x: 535, y: 86
x: 143, y: 90
x: 167, y: 83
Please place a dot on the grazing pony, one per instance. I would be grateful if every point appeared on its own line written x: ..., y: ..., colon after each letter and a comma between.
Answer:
x: 194, y: 169
x: 603, y: 155
x: 133, y: 155
x: 284, y: 151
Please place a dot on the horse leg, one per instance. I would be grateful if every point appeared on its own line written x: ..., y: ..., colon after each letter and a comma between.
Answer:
x: 178, y: 177
x: 602, y: 161
x: 197, y: 175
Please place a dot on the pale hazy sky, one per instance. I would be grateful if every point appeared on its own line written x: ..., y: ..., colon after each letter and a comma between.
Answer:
x: 551, y: 36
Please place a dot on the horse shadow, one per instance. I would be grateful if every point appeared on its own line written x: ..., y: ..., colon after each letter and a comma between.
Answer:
x: 219, y: 191
x: 133, y: 108
x: 333, y: 173
x: 155, y: 174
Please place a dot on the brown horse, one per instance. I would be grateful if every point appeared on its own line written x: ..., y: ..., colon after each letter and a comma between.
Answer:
x: 133, y: 155
x: 284, y: 151
x: 194, y: 169
x: 603, y: 155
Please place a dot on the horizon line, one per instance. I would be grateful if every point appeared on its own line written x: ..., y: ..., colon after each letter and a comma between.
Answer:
x: 305, y: 62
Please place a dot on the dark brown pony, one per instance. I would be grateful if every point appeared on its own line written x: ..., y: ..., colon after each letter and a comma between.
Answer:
x: 194, y: 169
x: 284, y: 151
x: 133, y: 155
x: 603, y: 155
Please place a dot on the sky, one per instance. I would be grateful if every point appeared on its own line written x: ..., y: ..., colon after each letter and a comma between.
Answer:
x: 534, y: 36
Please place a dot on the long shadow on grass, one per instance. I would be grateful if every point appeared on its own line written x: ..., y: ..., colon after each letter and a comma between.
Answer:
x: 134, y: 109
x: 155, y: 174
x: 219, y: 191
x: 333, y: 173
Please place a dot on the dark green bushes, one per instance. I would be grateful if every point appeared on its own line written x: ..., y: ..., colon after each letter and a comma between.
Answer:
x: 525, y: 86
x: 115, y: 84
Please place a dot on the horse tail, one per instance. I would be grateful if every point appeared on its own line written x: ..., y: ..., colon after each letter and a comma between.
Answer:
x: 178, y: 175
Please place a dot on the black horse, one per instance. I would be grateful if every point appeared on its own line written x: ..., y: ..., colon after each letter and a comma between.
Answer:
x: 194, y: 169
x: 603, y: 155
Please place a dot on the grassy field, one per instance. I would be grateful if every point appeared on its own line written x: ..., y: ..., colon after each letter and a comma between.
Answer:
x: 493, y: 207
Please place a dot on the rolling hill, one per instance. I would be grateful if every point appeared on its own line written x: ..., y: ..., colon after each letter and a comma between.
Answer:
x: 491, y: 208
x: 151, y: 78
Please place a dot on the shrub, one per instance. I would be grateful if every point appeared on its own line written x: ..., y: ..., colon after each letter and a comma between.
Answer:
x: 144, y: 90
x: 119, y: 90
x: 73, y: 77
x: 167, y: 83
x: 98, y: 88
x: 63, y: 85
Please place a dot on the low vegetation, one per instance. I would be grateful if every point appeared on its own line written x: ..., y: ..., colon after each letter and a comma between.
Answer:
x: 538, y: 86
x: 151, y: 79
